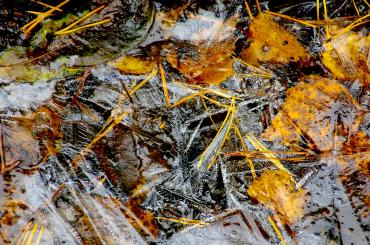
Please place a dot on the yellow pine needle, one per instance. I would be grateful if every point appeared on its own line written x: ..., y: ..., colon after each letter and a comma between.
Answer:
x: 245, y: 149
x: 291, y: 18
x: 186, y: 98
x: 34, y: 12
x: 214, y: 101
x: 184, y: 221
x: 318, y: 9
x: 255, y: 75
x: 164, y: 84
x: 276, y: 152
x: 142, y: 83
x: 100, y: 182
x: 354, y: 24
x: 29, y: 27
x: 47, y: 5
x: 259, y: 146
x: 248, y: 9
x: 367, y: 3
x: 25, y: 230
x: 112, y: 121
x: 163, y: 124
x: 30, y: 237
x: 266, y: 73
x: 83, y: 27
x: 326, y: 17
x: 273, y: 224
x: 258, y: 6
x: 210, y: 117
x: 80, y: 20
x: 105, y: 131
x: 40, y: 235
x: 211, y: 91
x: 229, y: 118
x: 355, y: 6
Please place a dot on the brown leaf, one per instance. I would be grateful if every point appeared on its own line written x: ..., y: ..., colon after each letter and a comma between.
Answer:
x: 207, y: 61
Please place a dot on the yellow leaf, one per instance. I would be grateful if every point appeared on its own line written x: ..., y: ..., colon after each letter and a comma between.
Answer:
x: 276, y: 190
x: 318, y: 115
x: 133, y: 65
x: 271, y: 43
x: 346, y: 56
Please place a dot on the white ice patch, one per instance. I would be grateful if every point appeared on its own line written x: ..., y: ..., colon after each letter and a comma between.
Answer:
x: 24, y: 96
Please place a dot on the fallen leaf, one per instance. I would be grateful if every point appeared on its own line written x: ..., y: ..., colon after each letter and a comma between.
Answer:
x: 143, y: 220
x: 347, y: 57
x: 134, y: 65
x: 207, y: 61
x: 276, y: 190
x: 319, y: 114
x: 271, y: 43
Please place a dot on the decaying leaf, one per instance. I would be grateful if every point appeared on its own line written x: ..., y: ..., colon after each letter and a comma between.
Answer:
x: 12, y: 211
x: 271, y: 43
x: 276, y: 190
x: 134, y: 65
x: 319, y: 114
x: 142, y: 220
x: 207, y: 61
x: 347, y: 57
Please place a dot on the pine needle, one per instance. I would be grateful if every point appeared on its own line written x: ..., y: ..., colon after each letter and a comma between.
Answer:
x: 31, y: 25
x: 354, y: 24
x: 258, y: 6
x: 367, y: 3
x: 248, y: 9
x: 30, y: 237
x: 47, y: 5
x: 273, y: 224
x: 355, y: 6
x: 142, y: 83
x: 164, y: 84
x: 187, y: 98
x: 264, y: 72
x: 84, y: 27
x: 259, y: 146
x: 80, y: 20
x: 318, y: 9
x: 245, y: 149
x: 41, y: 232
x: 326, y: 18
x: 184, y: 221
x: 25, y: 230
x: 226, y: 125
x: 210, y: 117
x: 291, y: 18
x: 214, y: 101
